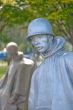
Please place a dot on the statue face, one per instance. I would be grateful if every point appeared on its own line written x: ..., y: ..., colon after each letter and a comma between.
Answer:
x: 41, y: 42
x: 11, y: 51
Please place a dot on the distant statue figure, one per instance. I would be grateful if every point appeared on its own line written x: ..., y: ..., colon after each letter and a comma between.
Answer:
x: 14, y: 86
x: 52, y: 82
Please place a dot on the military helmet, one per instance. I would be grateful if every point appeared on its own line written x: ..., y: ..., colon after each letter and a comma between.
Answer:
x: 39, y: 26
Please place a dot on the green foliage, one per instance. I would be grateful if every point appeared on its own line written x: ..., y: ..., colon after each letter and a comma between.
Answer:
x: 25, y: 10
x: 3, y: 68
x: 59, y: 12
x: 4, y: 38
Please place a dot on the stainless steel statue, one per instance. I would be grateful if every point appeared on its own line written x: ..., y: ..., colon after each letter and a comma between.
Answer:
x: 52, y: 82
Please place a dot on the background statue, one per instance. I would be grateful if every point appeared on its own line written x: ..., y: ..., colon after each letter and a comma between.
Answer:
x: 14, y: 86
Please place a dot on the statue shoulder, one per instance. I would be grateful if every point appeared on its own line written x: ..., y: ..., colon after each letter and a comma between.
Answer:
x: 28, y: 61
x: 68, y: 56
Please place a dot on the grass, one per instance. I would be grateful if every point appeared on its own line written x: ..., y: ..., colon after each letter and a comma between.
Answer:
x: 3, y: 68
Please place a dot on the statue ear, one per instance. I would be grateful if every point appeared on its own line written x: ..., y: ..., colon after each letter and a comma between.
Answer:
x: 50, y: 37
